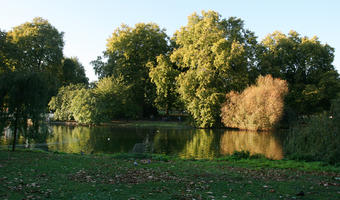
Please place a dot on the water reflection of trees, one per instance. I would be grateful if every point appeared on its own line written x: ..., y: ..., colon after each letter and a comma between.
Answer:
x: 201, y: 145
x: 207, y: 144
x: 95, y: 139
x: 186, y: 143
x: 30, y: 138
x: 70, y: 139
x: 189, y: 143
x: 117, y: 139
x: 265, y: 143
x: 6, y: 138
x: 170, y: 141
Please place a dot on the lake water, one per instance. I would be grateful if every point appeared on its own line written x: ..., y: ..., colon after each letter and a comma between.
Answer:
x: 186, y: 143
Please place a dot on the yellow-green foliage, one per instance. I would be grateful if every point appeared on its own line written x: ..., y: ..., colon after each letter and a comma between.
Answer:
x: 213, y: 54
x: 258, y: 107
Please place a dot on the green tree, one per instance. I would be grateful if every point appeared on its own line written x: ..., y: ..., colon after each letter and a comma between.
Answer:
x: 109, y: 99
x: 41, y: 45
x: 40, y: 49
x: 128, y: 52
x: 306, y: 64
x: 164, y: 77
x: 215, y: 55
x: 23, y: 96
x: 83, y: 107
x: 61, y: 103
x: 114, y: 99
x: 75, y: 102
x: 8, y: 53
x: 73, y: 72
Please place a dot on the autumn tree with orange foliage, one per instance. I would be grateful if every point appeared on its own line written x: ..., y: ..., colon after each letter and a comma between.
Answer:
x: 258, y: 107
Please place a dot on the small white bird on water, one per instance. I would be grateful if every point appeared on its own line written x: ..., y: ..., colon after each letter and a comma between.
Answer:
x: 108, y: 139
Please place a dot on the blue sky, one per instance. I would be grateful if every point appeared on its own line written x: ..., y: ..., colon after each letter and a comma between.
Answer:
x: 87, y: 24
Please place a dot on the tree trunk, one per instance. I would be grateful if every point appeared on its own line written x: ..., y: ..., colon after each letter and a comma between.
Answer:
x: 167, y: 110
x: 15, y: 132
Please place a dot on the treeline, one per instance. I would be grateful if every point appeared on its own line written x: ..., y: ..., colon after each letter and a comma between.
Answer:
x: 203, y: 61
x: 32, y: 69
x: 144, y: 71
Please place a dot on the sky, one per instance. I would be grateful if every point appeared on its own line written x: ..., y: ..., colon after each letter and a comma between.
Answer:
x: 87, y: 24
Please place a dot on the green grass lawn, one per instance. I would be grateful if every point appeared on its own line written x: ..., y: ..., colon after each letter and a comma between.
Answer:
x: 159, y: 124
x: 41, y: 175
x: 137, y: 123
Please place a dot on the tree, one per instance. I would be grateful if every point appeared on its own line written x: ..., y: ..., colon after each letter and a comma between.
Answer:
x: 128, y: 52
x: 61, y: 104
x: 73, y: 72
x: 164, y: 77
x: 258, y: 107
x: 114, y: 99
x: 305, y: 63
x: 215, y: 55
x: 109, y: 99
x: 41, y: 46
x: 8, y: 52
x: 75, y: 102
x: 23, y: 96
x: 40, y: 49
x: 83, y: 107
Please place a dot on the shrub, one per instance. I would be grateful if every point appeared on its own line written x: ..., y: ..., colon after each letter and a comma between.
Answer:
x: 258, y: 107
x: 317, y: 138
x: 74, y: 102
x: 115, y: 99
x: 61, y: 103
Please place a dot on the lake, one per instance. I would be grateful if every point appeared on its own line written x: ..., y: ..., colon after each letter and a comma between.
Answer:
x: 183, y: 142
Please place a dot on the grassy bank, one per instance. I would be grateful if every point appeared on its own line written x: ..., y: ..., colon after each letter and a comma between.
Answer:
x: 139, y: 123
x: 41, y: 175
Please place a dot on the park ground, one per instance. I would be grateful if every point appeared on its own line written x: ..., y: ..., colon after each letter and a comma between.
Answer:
x: 51, y: 175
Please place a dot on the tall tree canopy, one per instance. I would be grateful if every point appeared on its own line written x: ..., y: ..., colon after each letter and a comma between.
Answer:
x: 30, y: 62
x: 39, y: 49
x: 164, y: 77
x: 128, y: 52
x: 8, y: 53
x: 73, y: 72
x: 307, y: 66
x: 41, y: 45
x: 215, y: 55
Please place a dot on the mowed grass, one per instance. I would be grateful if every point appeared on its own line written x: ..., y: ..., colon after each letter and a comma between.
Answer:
x: 139, y: 124
x: 159, y: 124
x: 42, y: 175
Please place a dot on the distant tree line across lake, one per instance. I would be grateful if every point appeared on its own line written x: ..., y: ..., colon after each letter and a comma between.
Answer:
x: 212, y: 69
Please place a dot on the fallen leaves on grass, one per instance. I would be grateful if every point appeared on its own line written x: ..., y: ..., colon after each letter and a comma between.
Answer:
x: 130, y: 176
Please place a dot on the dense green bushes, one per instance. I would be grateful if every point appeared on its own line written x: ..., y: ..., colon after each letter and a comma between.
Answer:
x: 111, y: 98
x: 258, y: 107
x: 114, y: 99
x: 316, y: 138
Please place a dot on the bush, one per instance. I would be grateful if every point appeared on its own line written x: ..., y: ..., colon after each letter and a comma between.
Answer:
x: 74, y: 102
x: 317, y: 138
x: 110, y: 99
x: 258, y: 107
x: 61, y: 103
x: 114, y: 99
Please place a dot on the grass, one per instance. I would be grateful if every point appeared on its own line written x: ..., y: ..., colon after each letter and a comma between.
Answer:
x: 42, y: 175
x: 159, y: 124
x: 141, y: 123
